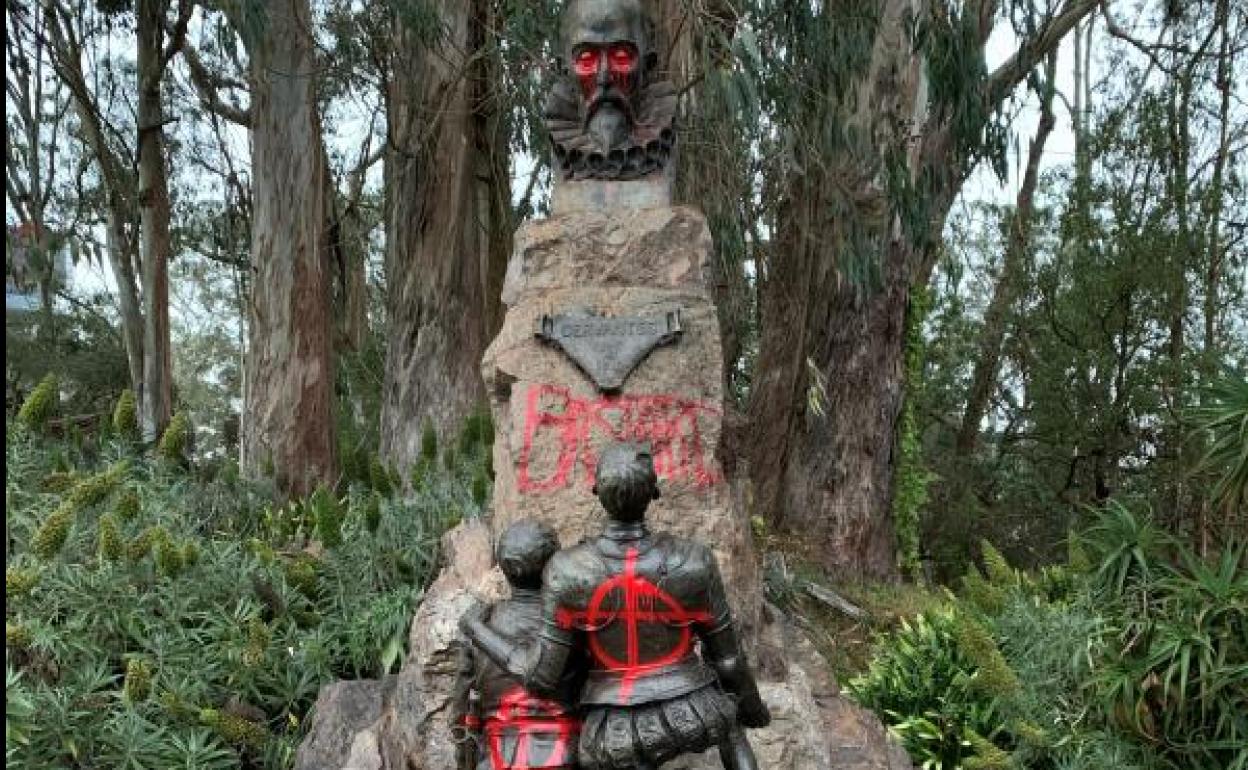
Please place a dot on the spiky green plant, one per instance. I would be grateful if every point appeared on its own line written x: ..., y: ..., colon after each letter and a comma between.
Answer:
x: 236, y: 730
x: 110, y: 546
x: 379, y: 477
x: 1126, y: 547
x: 19, y: 581
x: 1224, y: 418
x: 168, y: 557
x: 128, y: 505
x: 340, y: 612
x: 924, y: 686
x: 138, y: 681
x: 96, y: 489
x: 126, y: 417
x: 17, y: 636
x: 176, y: 439
x: 50, y: 538
x: 41, y: 404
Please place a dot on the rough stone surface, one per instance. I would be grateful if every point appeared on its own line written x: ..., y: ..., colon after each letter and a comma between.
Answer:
x: 660, y: 248
x: 343, y: 728
x: 550, y: 418
x: 550, y: 422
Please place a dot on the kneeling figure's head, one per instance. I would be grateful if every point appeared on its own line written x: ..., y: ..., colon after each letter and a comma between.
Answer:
x: 523, y: 551
x: 626, y: 483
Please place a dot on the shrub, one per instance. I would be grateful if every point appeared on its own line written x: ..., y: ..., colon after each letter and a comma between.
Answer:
x: 151, y: 638
x: 925, y: 686
x: 1136, y: 658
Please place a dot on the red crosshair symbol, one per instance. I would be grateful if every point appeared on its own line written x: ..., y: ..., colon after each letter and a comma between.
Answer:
x: 639, y: 602
x: 521, y: 715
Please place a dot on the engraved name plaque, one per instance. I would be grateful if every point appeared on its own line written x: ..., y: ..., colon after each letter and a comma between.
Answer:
x: 608, y: 349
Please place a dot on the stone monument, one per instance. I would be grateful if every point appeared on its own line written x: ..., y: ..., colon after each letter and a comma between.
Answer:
x: 610, y: 336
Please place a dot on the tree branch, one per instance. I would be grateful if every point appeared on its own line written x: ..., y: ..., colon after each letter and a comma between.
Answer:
x: 1004, y: 79
x: 177, y: 36
x: 206, y: 84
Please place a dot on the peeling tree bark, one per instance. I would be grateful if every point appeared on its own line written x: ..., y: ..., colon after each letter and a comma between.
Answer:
x: 288, y: 418
x: 447, y: 228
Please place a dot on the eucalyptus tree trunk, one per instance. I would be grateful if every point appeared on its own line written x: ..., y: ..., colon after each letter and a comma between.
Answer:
x: 447, y: 225
x: 155, y: 244
x: 878, y: 166
x: 288, y: 420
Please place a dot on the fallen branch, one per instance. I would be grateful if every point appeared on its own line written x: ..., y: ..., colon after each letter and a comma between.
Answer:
x: 834, y: 600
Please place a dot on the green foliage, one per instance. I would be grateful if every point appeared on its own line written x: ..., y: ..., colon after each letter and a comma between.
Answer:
x: 198, y: 625
x: 924, y: 684
x: 429, y: 442
x: 328, y: 515
x: 126, y: 417
x: 1140, y: 661
x: 379, y: 477
x: 912, y: 476
x: 1225, y: 420
x: 372, y: 511
x: 41, y: 404
x: 176, y: 440
x: 128, y: 506
x: 18, y: 582
x: 480, y: 488
x: 1126, y: 547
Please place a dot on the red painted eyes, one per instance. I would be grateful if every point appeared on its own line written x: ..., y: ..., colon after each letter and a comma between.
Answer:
x: 621, y: 59
x: 587, y: 62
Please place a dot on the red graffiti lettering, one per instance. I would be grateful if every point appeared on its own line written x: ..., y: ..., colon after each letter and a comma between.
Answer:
x: 669, y: 424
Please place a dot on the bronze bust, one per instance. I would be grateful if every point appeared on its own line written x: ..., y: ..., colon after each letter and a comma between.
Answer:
x: 502, y: 725
x: 639, y: 602
x: 608, y: 114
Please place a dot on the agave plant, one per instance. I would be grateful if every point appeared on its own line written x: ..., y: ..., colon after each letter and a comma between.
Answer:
x: 1225, y: 419
x: 1126, y: 548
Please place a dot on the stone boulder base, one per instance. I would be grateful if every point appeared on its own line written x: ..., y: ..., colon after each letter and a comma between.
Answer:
x: 551, y: 421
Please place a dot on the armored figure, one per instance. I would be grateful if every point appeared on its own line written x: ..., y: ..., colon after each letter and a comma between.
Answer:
x: 639, y: 602
x: 609, y: 116
x: 502, y: 725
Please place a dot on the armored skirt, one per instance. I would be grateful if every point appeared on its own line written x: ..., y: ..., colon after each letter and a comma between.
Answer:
x: 646, y: 735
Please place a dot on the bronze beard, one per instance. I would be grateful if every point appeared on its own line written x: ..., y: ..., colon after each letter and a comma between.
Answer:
x: 579, y: 154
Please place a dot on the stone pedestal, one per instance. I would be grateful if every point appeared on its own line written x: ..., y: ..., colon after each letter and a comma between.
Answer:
x: 551, y: 420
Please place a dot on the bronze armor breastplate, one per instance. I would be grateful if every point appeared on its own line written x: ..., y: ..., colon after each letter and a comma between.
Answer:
x: 638, y: 622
